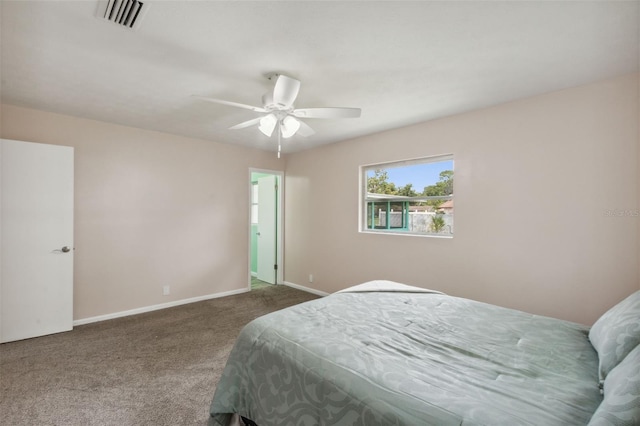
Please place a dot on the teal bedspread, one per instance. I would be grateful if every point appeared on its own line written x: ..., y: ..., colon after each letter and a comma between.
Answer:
x: 396, y: 358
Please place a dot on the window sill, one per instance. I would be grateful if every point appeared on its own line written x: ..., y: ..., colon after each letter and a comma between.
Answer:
x: 406, y: 234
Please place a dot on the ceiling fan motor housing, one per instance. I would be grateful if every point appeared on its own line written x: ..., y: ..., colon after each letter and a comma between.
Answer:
x: 270, y: 105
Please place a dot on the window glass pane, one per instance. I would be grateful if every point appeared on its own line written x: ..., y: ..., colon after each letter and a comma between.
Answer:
x: 414, y: 196
x: 254, y: 193
x: 396, y: 215
x: 254, y: 213
x: 254, y: 203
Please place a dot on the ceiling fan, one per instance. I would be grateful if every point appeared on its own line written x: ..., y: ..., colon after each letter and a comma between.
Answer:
x: 279, y: 111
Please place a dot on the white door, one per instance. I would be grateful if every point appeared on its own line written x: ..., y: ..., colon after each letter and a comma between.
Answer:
x: 36, y: 252
x: 267, y: 232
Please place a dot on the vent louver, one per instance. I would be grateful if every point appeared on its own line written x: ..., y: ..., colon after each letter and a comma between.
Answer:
x: 126, y: 13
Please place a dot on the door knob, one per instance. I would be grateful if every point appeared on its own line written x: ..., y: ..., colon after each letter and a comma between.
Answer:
x: 65, y: 249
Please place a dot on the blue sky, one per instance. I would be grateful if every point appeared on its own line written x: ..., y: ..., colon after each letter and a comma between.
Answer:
x: 420, y: 175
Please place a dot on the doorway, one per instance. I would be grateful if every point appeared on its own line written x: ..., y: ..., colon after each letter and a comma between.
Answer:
x: 265, y: 228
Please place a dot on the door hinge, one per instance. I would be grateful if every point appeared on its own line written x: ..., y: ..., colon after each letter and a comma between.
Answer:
x: 275, y: 267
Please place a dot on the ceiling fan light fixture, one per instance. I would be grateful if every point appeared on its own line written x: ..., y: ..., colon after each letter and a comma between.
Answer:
x: 267, y: 124
x: 289, y: 126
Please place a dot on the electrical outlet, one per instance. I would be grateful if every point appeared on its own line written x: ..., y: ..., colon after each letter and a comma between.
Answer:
x: 310, y: 278
x: 166, y: 290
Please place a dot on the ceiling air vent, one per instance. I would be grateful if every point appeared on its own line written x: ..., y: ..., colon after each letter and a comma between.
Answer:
x: 126, y: 13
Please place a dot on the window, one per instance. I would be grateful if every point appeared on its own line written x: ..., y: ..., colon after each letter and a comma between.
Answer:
x: 254, y: 203
x: 411, y: 197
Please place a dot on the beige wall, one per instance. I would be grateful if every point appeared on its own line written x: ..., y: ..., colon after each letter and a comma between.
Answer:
x: 152, y: 209
x: 533, y: 182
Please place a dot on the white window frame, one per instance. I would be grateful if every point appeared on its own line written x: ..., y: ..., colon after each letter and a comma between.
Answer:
x: 363, y: 201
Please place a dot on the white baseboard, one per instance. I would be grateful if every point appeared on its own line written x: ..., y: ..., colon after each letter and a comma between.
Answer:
x: 307, y: 289
x: 157, y: 307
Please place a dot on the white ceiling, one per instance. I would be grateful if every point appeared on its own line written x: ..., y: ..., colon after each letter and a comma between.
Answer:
x: 401, y: 62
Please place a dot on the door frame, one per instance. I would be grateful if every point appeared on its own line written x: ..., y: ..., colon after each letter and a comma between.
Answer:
x: 279, y: 223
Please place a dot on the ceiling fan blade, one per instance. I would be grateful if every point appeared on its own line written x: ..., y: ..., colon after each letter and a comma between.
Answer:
x: 305, y: 130
x: 327, y: 112
x: 246, y: 124
x: 229, y: 103
x: 285, y: 91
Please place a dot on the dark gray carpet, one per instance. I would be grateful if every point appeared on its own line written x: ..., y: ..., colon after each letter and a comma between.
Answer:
x: 158, y: 368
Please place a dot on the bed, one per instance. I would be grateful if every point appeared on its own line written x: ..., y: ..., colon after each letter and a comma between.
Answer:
x: 384, y: 353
